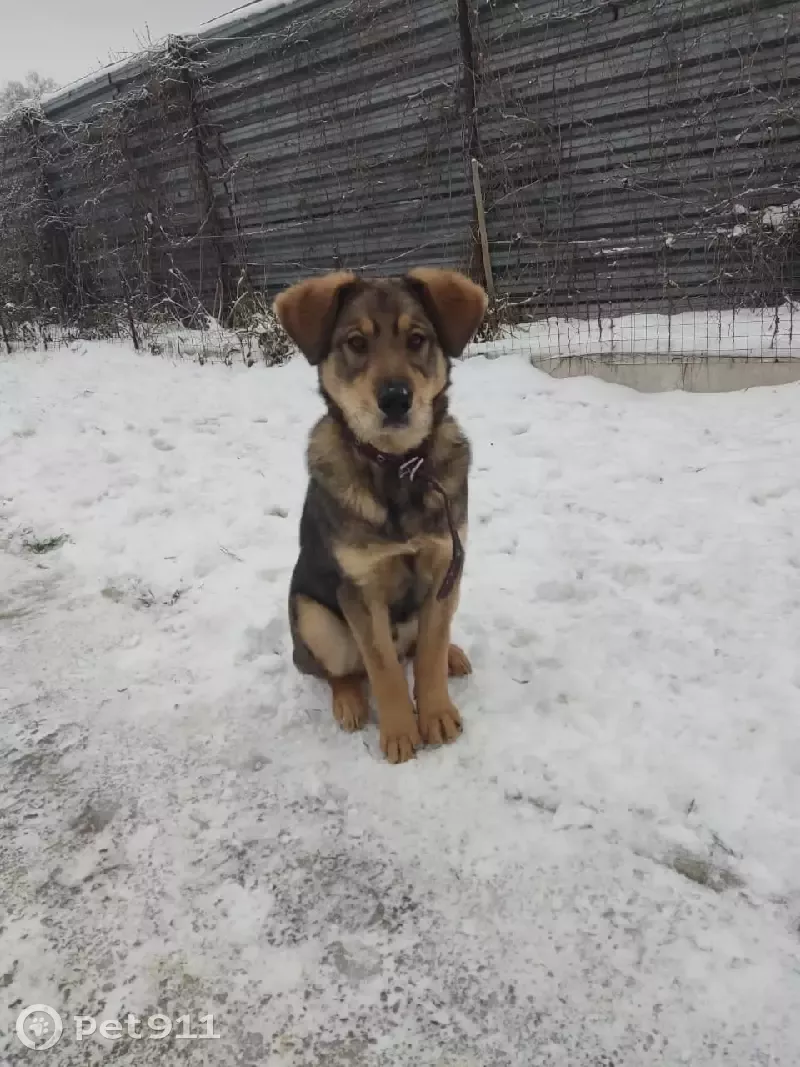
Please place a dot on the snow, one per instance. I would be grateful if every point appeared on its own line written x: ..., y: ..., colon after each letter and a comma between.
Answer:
x: 247, y: 10
x: 781, y: 217
x: 766, y: 334
x: 604, y: 869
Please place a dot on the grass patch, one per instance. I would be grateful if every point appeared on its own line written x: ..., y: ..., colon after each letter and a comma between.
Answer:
x: 704, y: 872
x: 14, y: 613
x: 38, y: 546
x: 139, y: 596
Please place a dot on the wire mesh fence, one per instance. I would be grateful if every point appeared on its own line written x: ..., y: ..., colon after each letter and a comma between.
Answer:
x: 637, y: 164
x: 643, y: 174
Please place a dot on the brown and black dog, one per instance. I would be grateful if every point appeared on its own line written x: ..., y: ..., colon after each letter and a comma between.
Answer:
x: 377, y: 578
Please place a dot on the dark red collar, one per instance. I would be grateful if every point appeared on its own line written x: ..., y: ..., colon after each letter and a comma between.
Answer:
x: 407, y: 465
x: 411, y: 466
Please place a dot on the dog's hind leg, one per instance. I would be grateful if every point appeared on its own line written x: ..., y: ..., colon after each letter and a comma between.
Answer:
x: 350, y: 707
x: 458, y: 664
x: 336, y: 657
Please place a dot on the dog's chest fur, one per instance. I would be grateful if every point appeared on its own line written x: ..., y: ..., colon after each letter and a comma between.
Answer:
x: 365, y: 524
x: 376, y: 503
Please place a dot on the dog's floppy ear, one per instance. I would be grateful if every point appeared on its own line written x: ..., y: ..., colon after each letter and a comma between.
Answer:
x: 454, y: 303
x: 308, y: 312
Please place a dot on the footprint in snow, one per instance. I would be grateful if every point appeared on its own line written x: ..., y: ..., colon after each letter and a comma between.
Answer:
x: 561, y: 591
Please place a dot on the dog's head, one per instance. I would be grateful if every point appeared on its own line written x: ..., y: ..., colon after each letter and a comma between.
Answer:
x: 383, y: 346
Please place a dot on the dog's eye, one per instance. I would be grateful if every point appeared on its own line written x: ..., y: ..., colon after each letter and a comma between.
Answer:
x: 415, y: 341
x: 357, y: 343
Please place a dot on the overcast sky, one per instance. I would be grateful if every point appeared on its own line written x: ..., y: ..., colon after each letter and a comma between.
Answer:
x: 65, y: 39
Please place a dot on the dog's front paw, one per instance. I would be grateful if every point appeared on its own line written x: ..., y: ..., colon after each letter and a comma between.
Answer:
x: 439, y: 725
x: 399, y: 740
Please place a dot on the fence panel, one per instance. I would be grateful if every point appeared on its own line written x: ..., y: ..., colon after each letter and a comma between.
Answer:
x: 630, y: 151
x: 635, y: 157
x: 343, y: 127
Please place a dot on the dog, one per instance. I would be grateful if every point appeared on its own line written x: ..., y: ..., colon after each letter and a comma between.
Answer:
x: 382, y: 529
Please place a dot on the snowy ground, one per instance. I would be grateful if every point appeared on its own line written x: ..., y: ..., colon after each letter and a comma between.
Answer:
x: 760, y: 334
x: 604, y: 870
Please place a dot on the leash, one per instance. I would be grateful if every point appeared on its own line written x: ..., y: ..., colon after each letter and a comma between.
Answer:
x: 410, y: 467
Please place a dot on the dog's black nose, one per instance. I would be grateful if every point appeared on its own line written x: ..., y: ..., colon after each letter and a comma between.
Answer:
x: 394, y: 399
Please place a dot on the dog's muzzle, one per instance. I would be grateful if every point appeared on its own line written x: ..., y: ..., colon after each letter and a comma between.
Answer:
x: 394, y: 398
